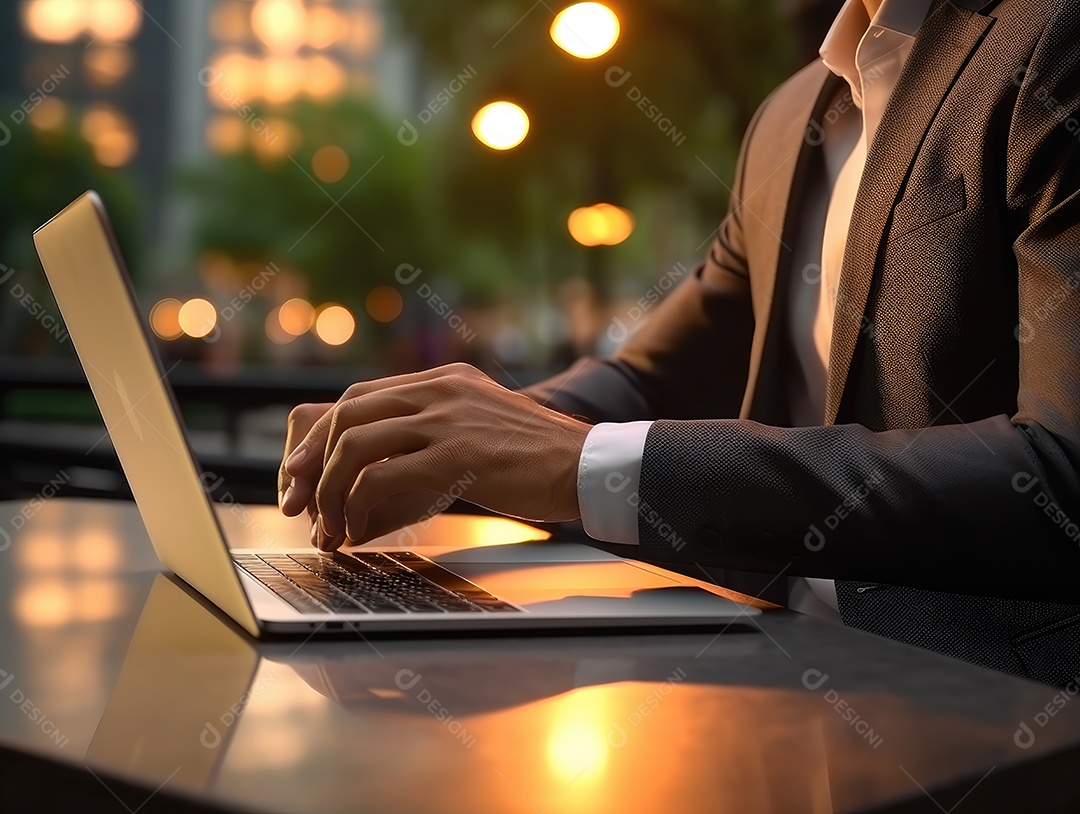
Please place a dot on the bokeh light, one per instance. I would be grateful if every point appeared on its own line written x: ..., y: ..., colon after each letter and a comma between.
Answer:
x: 334, y: 325
x: 384, y: 303
x: 586, y: 30
x: 60, y: 21
x: 111, y: 135
x: 274, y: 332
x: 323, y: 78
x: 112, y: 20
x: 165, y: 319
x: 330, y: 164
x: 49, y: 115
x: 501, y: 125
x: 601, y: 224
x: 296, y: 316
x: 226, y: 134
x: 197, y: 317
x: 325, y: 27
x: 108, y: 65
x: 280, y: 24
x: 53, y: 20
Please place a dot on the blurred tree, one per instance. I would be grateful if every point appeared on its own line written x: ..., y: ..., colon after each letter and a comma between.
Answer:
x: 655, y: 123
x: 41, y: 172
x: 347, y: 231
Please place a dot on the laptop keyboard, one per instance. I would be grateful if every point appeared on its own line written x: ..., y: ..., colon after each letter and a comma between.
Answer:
x: 368, y: 582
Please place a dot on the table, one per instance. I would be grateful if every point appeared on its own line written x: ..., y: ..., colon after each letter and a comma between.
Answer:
x: 121, y: 690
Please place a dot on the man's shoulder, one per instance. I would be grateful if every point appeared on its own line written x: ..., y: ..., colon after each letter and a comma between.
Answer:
x: 794, y: 91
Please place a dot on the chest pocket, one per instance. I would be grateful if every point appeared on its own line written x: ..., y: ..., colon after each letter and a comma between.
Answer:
x: 928, y: 205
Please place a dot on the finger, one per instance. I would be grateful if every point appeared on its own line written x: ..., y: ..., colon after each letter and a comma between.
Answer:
x: 386, y: 479
x: 359, y: 447
x: 301, y: 419
x: 312, y: 450
x: 396, y: 402
x: 398, y: 511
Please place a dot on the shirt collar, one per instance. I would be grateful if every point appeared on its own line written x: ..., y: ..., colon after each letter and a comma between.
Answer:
x: 852, y: 23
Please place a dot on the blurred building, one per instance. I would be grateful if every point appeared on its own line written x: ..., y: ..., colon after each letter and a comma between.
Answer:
x: 155, y: 86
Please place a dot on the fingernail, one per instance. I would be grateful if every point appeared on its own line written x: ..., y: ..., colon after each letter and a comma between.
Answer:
x: 298, y: 456
x: 285, y: 496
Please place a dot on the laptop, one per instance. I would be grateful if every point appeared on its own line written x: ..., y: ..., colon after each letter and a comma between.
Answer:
x: 371, y: 589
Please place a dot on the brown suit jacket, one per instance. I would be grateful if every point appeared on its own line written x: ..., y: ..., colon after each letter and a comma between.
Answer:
x: 944, y: 486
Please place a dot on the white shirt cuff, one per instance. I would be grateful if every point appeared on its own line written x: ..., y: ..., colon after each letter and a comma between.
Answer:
x: 609, y: 473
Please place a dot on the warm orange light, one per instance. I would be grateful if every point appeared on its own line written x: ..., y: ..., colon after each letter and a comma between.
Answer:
x: 231, y: 21
x: 296, y: 317
x: 98, y: 600
x: 112, y: 20
x: 107, y: 65
x: 277, y: 139
x: 95, y: 551
x: 501, y: 125
x: 274, y: 332
x: 600, y: 225
x: 116, y: 148
x: 334, y: 325
x: 325, y: 26
x: 49, y: 115
x: 282, y: 79
x: 280, y: 24
x: 44, y: 602
x: 165, y: 319
x: 586, y: 30
x: 111, y: 135
x: 365, y: 34
x: 323, y: 78
x: 226, y: 134
x: 233, y: 79
x: 330, y: 164
x: 577, y: 749
x: 197, y: 317
x: 53, y: 20
x: 383, y: 303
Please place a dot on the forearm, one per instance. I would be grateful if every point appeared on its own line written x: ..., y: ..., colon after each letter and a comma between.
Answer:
x: 961, y: 508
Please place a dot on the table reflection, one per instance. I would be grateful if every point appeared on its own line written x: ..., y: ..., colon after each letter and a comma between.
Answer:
x: 567, y: 724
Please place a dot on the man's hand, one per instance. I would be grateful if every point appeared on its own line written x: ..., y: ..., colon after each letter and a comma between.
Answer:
x: 382, y: 456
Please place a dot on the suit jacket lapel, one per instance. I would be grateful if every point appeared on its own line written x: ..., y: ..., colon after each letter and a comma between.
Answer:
x: 773, y: 204
x: 941, y: 50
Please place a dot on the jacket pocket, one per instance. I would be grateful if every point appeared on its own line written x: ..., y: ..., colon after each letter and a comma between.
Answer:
x: 928, y: 205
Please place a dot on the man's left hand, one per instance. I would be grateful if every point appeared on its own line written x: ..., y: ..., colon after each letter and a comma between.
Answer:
x: 434, y: 430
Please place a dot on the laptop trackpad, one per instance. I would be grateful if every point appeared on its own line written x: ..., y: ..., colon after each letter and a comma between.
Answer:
x: 599, y: 589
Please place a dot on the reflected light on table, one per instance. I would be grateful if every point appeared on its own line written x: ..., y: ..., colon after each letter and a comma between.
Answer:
x: 91, y: 551
x: 279, y: 709
x: 49, y: 602
x: 577, y: 747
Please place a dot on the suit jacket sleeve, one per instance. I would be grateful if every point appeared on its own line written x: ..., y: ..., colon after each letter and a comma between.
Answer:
x: 700, y: 333
x: 991, y: 507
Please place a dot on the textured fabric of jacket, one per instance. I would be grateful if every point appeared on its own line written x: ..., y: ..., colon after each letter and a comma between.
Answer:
x: 943, y: 490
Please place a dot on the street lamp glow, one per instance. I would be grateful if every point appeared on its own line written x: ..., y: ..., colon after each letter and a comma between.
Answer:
x: 165, y: 319
x: 501, y: 125
x: 197, y: 317
x: 586, y: 30
x: 334, y: 325
x: 296, y: 316
x: 601, y: 224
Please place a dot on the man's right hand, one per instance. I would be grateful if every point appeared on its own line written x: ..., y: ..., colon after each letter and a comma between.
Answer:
x: 297, y: 494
